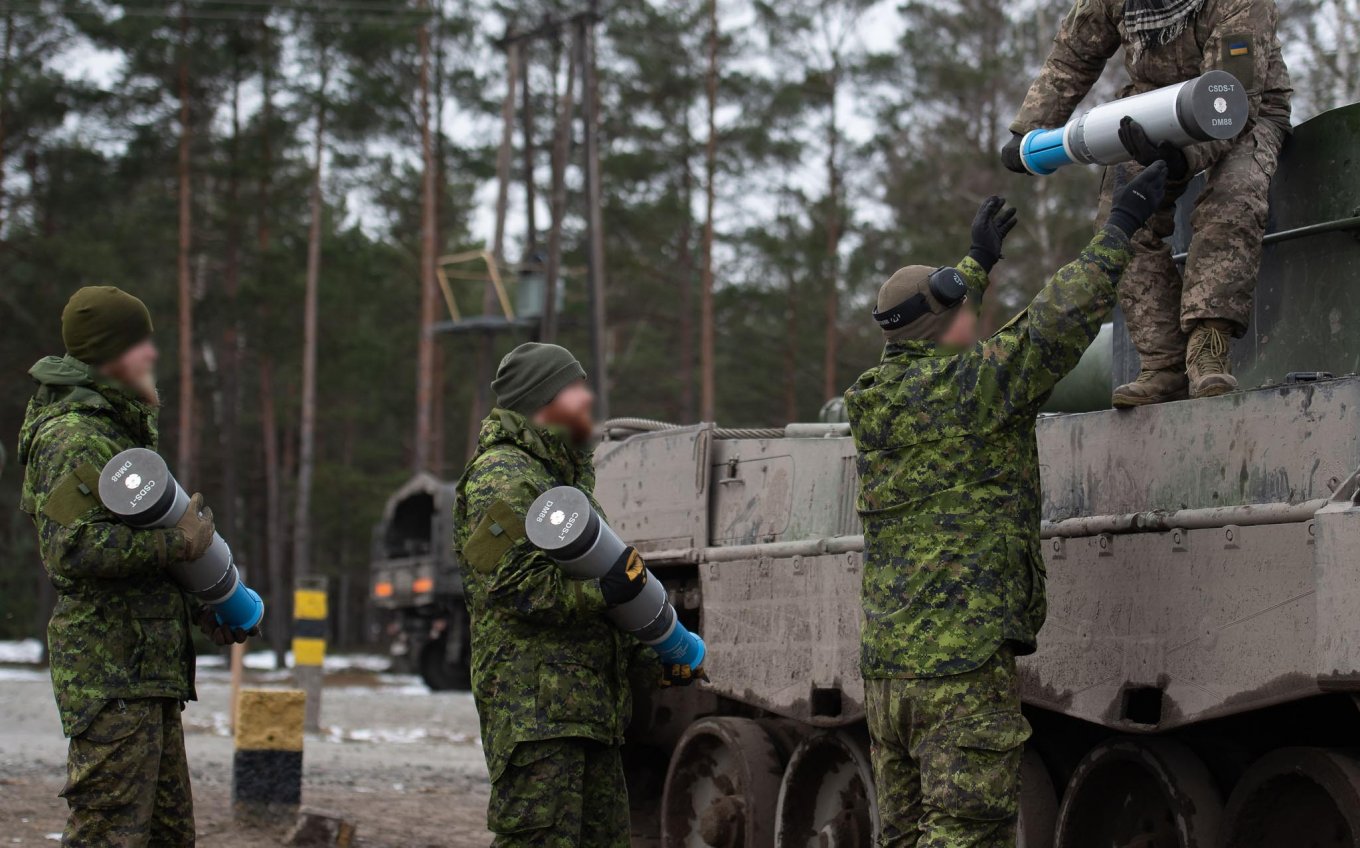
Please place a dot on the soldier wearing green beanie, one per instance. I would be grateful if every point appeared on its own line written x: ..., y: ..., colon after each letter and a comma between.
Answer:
x: 99, y: 323
x: 551, y: 675
x: 119, y: 640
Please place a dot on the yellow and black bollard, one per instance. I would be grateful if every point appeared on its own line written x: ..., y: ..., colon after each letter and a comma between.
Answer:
x: 266, y: 771
x: 309, y: 644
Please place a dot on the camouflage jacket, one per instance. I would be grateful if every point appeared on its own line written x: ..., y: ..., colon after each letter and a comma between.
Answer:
x: 120, y: 628
x: 1237, y: 36
x: 949, y: 476
x: 546, y: 664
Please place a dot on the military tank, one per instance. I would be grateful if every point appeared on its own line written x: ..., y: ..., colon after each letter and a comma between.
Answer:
x: 1197, y: 683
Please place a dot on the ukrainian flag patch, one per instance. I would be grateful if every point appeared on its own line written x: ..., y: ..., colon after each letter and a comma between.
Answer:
x: 1239, y: 48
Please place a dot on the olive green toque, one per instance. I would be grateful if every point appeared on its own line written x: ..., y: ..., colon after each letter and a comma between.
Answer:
x: 99, y: 323
x: 531, y: 375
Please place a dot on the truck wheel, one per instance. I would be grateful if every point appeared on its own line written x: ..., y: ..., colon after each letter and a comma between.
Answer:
x: 438, y: 674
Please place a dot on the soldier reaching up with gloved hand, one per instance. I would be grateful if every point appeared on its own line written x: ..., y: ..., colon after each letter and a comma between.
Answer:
x: 949, y: 497
x: 1181, y: 323
x: 121, y: 657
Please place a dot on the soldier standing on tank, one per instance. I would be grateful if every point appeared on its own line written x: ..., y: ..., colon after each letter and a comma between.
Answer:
x: 119, y: 644
x: 551, y: 676
x: 1179, y: 323
x: 949, y: 497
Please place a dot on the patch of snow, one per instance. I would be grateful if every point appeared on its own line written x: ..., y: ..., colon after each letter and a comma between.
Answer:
x: 265, y: 661
x: 24, y: 652
x: 24, y: 675
x: 395, y: 735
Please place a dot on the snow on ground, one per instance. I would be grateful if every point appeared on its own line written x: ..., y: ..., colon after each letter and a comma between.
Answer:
x: 266, y: 661
x: 23, y: 652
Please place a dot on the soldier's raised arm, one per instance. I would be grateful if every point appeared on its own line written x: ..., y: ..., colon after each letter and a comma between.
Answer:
x: 1018, y: 367
x: 499, y: 558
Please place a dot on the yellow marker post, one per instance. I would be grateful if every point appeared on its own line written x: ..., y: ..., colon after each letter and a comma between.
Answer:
x: 309, y: 643
x: 266, y: 773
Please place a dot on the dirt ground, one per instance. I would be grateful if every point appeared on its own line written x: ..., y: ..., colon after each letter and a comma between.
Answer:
x: 404, y: 764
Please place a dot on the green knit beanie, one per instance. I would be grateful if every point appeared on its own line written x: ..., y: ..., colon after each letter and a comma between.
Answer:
x: 531, y: 375
x: 99, y: 323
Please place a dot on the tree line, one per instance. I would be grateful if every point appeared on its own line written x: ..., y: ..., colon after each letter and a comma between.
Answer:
x: 280, y: 180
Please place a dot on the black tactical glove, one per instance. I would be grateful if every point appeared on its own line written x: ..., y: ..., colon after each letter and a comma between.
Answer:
x: 195, y: 528
x: 1144, y: 152
x: 220, y: 633
x: 990, y: 227
x: 1136, y: 201
x: 676, y: 674
x: 624, y: 579
x: 1010, y: 154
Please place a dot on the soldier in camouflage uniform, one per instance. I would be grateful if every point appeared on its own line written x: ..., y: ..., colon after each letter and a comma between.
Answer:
x: 550, y: 674
x: 121, y: 658
x: 949, y: 497
x: 1179, y: 321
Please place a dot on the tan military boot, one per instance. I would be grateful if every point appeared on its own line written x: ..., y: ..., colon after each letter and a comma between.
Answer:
x: 1151, y: 386
x: 1206, y: 359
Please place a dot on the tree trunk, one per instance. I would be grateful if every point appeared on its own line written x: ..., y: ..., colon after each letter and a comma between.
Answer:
x: 302, y: 532
x: 590, y: 117
x: 561, y: 152
x: 184, y: 457
x: 791, y: 343
x: 708, y: 383
x: 231, y: 335
x: 831, y: 385
x: 273, y: 514
x: 685, y: 263
x: 425, y: 367
x: 281, y: 594
x: 6, y: 78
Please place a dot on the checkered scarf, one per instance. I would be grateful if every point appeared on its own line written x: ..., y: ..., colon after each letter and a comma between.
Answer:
x: 1154, y: 22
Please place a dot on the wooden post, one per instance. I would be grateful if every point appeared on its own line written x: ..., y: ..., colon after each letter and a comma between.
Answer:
x: 590, y: 118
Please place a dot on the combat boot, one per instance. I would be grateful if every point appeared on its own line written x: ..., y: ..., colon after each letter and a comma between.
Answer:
x: 1151, y: 386
x: 1206, y: 359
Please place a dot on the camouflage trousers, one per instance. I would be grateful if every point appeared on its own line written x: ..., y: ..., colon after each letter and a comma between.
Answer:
x: 127, y: 780
x: 560, y: 793
x: 1162, y: 305
x: 946, y: 756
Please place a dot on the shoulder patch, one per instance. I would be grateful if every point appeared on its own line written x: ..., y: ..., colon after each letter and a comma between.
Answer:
x: 1236, y: 58
x: 73, y: 497
x: 498, y: 531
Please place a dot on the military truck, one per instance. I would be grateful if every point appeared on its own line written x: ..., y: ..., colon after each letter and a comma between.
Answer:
x: 1198, y: 680
x: 415, y: 584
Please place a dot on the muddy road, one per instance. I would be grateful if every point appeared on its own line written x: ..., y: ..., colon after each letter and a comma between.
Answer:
x: 404, y: 764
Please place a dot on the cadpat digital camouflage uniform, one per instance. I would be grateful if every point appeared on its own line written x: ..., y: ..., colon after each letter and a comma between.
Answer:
x: 953, y: 574
x: 121, y: 658
x: 550, y: 674
x: 1237, y: 36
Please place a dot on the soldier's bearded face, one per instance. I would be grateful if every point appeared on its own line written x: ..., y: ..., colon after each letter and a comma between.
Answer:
x: 136, y: 369
x: 572, y: 409
x: 963, y: 332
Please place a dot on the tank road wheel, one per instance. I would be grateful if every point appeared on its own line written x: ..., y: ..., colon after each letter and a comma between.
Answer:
x: 1140, y: 793
x: 826, y: 799
x: 1038, y: 802
x: 721, y: 787
x: 1303, y: 797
